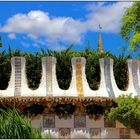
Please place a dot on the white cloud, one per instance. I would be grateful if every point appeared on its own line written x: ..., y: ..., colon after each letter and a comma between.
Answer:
x: 109, y: 16
x: 12, y: 36
x: 38, y: 23
x: 54, y: 30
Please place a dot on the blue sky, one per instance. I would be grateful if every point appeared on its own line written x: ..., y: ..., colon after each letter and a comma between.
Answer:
x: 30, y: 26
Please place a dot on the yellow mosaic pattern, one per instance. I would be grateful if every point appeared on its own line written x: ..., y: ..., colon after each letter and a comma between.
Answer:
x: 49, y: 75
x: 79, y: 83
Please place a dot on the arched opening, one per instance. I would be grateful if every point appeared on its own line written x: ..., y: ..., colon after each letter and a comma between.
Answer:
x: 64, y: 71
x: 93, y: 73
x: 121, y: 74
x: 5, y: 71
x: 33, y: 71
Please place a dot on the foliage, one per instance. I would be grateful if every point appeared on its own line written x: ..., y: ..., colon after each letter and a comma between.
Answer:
x: 127, y: 112
x: 5, y: 108
x: 33, y: 69
x: 94, y: 111
x: 64, y: 110
x: 121, y: 70
x: 14, y: 126
x: 130, y: 28
x: 5, y: 69
x: 63, y: 67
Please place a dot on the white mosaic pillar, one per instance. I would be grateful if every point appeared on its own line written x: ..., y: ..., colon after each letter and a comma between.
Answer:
x: 42, y: 90
x: 49, y: 85
x: 107, y: 78
x: 111, y: 85
x: 134, y: 77
x: 52, y: 84
x: 18, y: 84
x: 25, y: 90
x: 79, y: 85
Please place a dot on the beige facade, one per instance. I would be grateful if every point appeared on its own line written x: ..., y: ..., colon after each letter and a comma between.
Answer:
x: 66, y: 128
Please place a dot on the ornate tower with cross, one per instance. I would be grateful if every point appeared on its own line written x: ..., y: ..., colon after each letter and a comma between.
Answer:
x: 100, y: 45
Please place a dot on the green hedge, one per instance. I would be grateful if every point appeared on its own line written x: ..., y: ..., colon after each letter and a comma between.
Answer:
x: 64, y: 68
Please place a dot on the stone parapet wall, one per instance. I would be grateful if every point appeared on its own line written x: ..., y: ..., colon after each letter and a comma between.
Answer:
x: 80, y: 126
x: 79, y: 86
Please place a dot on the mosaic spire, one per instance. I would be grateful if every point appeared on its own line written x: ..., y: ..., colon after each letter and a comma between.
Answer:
x: 100, y: 45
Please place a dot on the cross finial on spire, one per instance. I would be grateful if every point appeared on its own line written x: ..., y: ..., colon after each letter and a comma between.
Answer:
x: 100, y: 26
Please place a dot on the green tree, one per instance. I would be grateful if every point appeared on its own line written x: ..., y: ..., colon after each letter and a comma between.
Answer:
x: 130, y: 28
x: 127, y: 112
